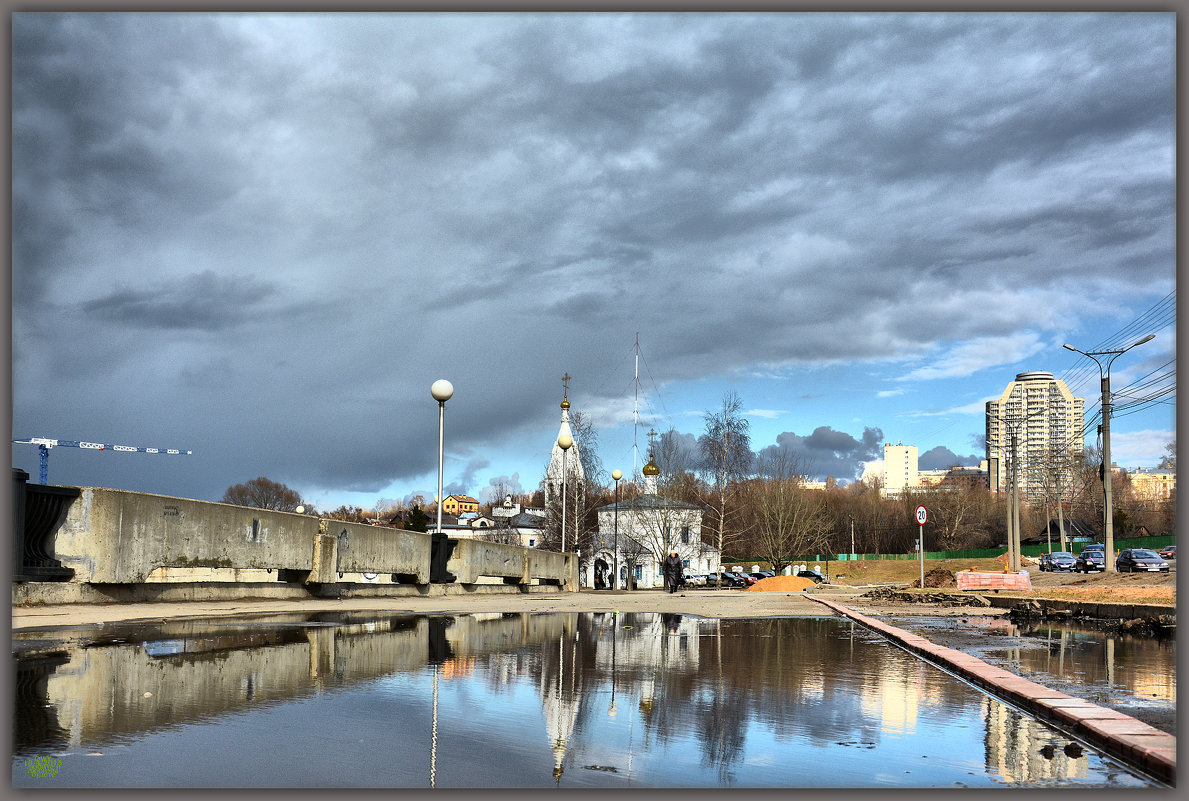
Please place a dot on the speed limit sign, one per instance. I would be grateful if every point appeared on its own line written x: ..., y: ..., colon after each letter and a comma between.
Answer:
x: 921, y: 515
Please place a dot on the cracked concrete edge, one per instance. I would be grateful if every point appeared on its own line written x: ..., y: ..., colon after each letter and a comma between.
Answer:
x: 1132, y: 741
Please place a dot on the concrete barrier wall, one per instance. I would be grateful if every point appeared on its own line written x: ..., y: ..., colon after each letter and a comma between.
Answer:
x: 372, y: 549
x: 471, y: 559
x: 119, y: 537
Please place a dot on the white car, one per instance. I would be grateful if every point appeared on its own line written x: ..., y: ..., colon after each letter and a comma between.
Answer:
x: 694, y: 580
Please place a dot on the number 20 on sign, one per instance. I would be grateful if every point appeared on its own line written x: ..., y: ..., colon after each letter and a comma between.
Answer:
x: 922, y: 515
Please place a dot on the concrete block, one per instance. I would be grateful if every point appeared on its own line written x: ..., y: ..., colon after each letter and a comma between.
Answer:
x: 325, y: 560
x: 119, y: 537
x: 378, y: 549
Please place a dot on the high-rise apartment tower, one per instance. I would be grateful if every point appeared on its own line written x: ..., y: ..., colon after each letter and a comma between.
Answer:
x: 1047, y: 421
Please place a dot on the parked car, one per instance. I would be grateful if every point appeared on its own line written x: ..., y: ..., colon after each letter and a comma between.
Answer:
x: 731, y: 580
x: 1145, y: 559
x: 694, y: 580
x: 1057, y: 560
x: 1168, y: 552
x: 760, y: 575
x: 1092, y: 557
x: 818, y: 578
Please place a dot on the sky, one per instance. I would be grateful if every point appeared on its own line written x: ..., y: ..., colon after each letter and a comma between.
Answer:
x: 262, y: 237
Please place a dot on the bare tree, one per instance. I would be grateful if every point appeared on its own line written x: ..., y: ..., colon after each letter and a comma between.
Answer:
x: 587, y: 438
x: 633, y: 552
x: 725, y: 448
x: 952, y: 510
x: 263, y: 493
x: 502, y: 532
x: 790, y: 520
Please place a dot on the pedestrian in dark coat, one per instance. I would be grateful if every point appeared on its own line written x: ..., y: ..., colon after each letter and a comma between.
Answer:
x: 672, y: 570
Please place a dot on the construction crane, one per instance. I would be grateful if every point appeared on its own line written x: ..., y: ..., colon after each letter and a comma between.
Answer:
x: 44, y: 446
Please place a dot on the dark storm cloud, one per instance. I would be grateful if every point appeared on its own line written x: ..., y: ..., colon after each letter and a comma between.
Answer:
x: 826, y: 452
x: 941, y: 458
x: 348, y: 207
x: 204, y: 301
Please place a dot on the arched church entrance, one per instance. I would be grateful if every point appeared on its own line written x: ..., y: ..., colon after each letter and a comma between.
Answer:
x: 602, y: 574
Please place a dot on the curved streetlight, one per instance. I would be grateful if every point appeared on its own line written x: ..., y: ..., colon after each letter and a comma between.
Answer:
x: 564, y: 441
x: 1104, y: 375
x: 442, y: 390
x: 616, y: 475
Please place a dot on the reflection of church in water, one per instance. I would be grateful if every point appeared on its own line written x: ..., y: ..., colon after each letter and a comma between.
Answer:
x: 575, y: 676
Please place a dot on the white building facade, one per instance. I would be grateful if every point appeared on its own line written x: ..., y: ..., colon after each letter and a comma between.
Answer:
x: 649, y: 526
x: 899, y: 469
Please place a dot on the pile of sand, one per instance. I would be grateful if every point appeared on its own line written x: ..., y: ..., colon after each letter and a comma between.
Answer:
x: 782, y: 584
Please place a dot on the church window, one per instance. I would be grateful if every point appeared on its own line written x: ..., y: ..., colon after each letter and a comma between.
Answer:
x: 685, y: 535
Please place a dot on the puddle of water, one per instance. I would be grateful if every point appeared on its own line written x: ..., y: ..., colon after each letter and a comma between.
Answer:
x: 518, y: 700
x: 1134, y: 675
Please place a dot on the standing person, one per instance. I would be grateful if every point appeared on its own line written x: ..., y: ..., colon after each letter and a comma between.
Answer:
x: 672, y: 569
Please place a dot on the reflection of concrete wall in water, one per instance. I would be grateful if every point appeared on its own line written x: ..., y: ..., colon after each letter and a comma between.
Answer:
x: 193, y: 670
x: 475, y: 635
x: 1016, y: 747
x: 103, y: 689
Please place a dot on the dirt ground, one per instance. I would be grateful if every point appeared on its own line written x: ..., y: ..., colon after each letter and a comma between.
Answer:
x: 716, y: 603
x: 847, y: 583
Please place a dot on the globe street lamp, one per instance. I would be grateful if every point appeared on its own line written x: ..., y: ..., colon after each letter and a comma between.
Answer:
x: 441, y: 390
x: 1104, y: 375
x: 564, y: 441
x: 616, y: 474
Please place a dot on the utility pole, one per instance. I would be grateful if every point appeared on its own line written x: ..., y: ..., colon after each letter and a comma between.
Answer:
x: 1104, y: 372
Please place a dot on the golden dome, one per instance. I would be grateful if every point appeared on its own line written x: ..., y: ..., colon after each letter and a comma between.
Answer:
x: 650, y: 469
x: 565, y: 402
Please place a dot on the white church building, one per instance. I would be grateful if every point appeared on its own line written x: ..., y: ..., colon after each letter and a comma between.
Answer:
x: 648, y: 526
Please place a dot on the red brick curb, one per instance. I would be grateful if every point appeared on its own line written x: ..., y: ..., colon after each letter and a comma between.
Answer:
x: 1124, y: 737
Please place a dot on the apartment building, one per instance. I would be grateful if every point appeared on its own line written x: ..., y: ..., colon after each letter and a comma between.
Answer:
x: 900, y: 469
x: 1046, y: 422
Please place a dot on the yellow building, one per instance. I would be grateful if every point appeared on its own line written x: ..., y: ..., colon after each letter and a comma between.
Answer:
x: 1154, y: 485
x: 458, y: 504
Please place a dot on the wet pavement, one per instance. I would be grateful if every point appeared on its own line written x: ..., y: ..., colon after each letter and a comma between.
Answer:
x: 516, y: 700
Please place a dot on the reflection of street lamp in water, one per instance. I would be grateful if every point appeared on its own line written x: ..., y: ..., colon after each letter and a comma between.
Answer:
x: 433, y: 737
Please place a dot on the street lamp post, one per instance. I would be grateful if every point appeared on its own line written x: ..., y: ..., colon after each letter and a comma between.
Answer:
x: 442, y: 390
x: 1104, y: 375
x: 616, y: 475
x: 564, y: 442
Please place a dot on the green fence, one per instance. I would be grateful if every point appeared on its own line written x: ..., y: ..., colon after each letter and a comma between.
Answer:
x: 1155, y: 543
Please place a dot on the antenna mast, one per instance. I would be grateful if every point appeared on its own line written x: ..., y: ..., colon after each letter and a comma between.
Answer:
x: 636, y: 410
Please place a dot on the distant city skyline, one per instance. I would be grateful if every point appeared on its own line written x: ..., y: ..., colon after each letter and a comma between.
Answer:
x: 263, y: 236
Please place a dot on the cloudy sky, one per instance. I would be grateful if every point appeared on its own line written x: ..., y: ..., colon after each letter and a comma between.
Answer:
x: 262, y: 237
